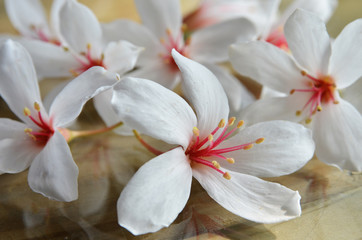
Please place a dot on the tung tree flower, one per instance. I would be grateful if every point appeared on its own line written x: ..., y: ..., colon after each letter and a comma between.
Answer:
x: 40, y: 139
x: 162, y: 30
x: 310, y: 83
x: 226, y: 167
x: 80, y: 43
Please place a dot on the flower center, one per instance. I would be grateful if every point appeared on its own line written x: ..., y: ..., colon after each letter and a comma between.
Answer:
x: 277, y: 38
x: 176, y: 43
x: 45, y: 130
x: 87, y: 61
x: 322, y: 92
x: 43, y: 37
x: 201, y: 150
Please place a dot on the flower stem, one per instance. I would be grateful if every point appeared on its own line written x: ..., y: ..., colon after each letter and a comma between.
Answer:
x: 70, y: 135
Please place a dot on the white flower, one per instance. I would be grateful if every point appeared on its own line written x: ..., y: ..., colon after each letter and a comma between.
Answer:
x: 40, y: 140
x: 160, y: 189
x: 311, y: 83
x: 80, y: 43
x: 162, y: 31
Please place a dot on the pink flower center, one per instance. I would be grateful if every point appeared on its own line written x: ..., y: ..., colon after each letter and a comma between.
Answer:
x: 87, y: 61
x: 322, y: 92
x: 201, y: 150
x: 45, y: 130
x: 176, y: 43
x: 277, y: 38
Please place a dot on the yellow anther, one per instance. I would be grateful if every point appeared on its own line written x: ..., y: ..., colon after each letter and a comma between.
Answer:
x: 162, y: 40
x: 247, y: 147
x: 102, y: 56
x: 37, y: 106
x: 136, y: 134
x: 304, y: 73
x: 240, y: 124
x: 292, y: 91
x: 319, y: 108
x: 259, y: 140
x: 230, y: 160
x: 308, y: 120
x: 231, y: 121
x: 336, y: 102
x: 210, y: 137
x: 28, y: 130
x: 188, y: 41
x: 216, y: 164
x: 118, y: 78
x: 222, y: 123
x: 226, y: 175
x: 89, y: 46
x: 65, y: 49
x: 184, y: 28
x: 196, y: 131
x: 168, y: 31
x: 298, y: 113
x: 27, y: 112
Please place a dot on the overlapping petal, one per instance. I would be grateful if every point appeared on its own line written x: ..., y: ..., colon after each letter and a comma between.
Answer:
x: 80, y: 27
x: 69, y: 102
x: 204, y: 92
x: 154, y: 110
x: 53, y: 172
x: 27, y: 15
x: 17, y: 149
x: 262, y: 62
x: 211, y: 44
x: 160, y: 15
x: 346, y: 60
x: 250, y: 197
x: 121, y: 56
x: 18, y: 85
x: 309, y: 41
x: 287, y: 147
x: 338, y: 136
x: 156, y: 194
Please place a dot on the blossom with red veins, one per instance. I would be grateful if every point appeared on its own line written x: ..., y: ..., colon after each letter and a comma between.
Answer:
x: 78, y: 43
x: 310, y: 77
x: 207, y: 147
x: 162, y: 30
x: 39, y: 141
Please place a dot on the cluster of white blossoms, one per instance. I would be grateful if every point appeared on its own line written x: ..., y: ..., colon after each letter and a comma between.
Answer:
x: 130, y: 70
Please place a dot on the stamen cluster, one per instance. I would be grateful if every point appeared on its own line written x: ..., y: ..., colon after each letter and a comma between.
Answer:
x: 322, y: 90
x: 87, y: 61
x: 46, y: 130
x: 199, y: 152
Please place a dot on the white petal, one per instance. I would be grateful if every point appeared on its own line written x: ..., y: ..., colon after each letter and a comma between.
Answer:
x: 17, y: 149
x: 102, y: 103
x: 266, y: 64
x: 25, y: 15
x: 353, y: 94
x: 250, y: 197
x: 158, y: 72
x: 156, y: 194
x: 55, y: 18
x: 69, y: 103
x: 53, y: 172
x: 322, y: 8
x: 154, y: 110
x: 309, y: 41
x: 283, y: 108
x: 80, y: 27
x: 50, y: 60
x: 205, y: 93
x: 160, y: 15
x: 211, y: 44
x: 121, y: 56
x: 18, y: 85
x: 287, y: 147
x: 238, y: 95
x: 345, y: 64
x: 338, y: 136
